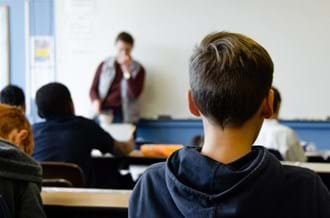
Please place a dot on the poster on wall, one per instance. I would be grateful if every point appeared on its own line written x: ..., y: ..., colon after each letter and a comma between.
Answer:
x: 42, y: 52
x: 42, y: 69
x: 4, y: 46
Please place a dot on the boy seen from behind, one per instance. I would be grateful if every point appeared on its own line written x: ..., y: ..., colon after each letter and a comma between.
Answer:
x: 230, y: 80
x: 13, y: 95
x: 20, y: 175
x: 65, y: 137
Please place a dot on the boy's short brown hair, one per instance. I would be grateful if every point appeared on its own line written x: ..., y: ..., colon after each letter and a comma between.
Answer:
x: 230, y: 75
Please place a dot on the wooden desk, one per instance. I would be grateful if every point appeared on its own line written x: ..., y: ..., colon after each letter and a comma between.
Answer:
x: 75, y: 197
x: 85, y: 203
x: 107, y: 170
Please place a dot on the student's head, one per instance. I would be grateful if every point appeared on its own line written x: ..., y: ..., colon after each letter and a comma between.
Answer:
x: 13, y: 95
x: 124, y: 44
x: 277, y: 103
x: 197, y: 141
x: 54, y: 101
x: 230, y: 79
x: 15, y: 128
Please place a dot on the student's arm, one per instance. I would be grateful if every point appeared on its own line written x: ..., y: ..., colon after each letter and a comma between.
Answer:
x: 31, y: 203
x: 123, y: 148
x: 135, y: 85
x: 94, y: 92
x: 105, y: 143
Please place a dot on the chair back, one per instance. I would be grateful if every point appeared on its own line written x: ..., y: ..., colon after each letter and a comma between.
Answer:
x: 62, y: 174
x: 56, y: 183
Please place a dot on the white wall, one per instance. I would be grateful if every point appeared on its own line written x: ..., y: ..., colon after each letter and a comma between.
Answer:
x: 295, y: 32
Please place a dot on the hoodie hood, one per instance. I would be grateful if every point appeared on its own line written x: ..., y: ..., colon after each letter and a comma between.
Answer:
x: 191, y: 176
x: 16, y: 165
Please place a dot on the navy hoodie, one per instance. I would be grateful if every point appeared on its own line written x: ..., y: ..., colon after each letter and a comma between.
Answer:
x: 257, y: 185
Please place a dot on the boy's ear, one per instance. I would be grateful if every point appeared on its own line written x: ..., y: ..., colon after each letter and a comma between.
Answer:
x: 22, y: 134
x: 267, y: 108
x: 18, y: 137
x: 192, y: 106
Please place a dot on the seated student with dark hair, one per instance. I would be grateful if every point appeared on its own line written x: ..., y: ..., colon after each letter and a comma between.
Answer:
x: 13, y: 95
x: 68, y: 138
x: 278, y: 137
x: 230, y: 80
x: 20, y: 175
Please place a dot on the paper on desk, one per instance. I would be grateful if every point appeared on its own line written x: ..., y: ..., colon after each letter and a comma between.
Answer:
x: 135, y: 170
x: 98, y: 153
x: 120, y: 132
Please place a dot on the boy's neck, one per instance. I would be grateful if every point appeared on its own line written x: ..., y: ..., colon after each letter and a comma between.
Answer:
x: 229, y: 144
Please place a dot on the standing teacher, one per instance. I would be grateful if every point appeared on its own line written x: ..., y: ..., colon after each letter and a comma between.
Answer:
x: 118, y: 83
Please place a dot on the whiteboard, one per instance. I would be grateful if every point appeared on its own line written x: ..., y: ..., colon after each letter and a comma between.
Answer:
x: 295, y: 32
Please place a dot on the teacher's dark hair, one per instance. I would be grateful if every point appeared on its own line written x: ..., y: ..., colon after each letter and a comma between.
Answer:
x: 125, y: 37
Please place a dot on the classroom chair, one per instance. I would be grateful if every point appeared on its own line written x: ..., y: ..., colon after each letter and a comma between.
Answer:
x: 62, y: 174
x: 56, y: 183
